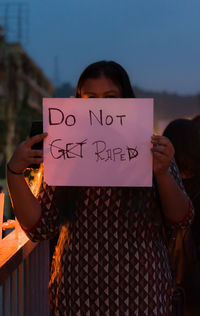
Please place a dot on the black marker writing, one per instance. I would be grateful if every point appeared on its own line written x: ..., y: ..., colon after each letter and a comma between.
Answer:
x: 53, y: 122
x: 72, y: 150
x: 106, y: 120
x: 113, y: 154
x: 132, y: 152
x: 100, y: 148
x: 70, y: 119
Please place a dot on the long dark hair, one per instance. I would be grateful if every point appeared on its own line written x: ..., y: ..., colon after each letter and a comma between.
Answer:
x: 185, y: 137
x: 111, y: 70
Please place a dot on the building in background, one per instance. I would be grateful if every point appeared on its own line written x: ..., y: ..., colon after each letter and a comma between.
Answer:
x: 22, y: 87
x: 170, y: 106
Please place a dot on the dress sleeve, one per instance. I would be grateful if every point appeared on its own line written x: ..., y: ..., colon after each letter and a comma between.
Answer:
x: 188, y: 218
x: 48, y: 225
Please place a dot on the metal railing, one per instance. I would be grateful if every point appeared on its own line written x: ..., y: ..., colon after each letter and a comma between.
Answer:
x: 24, y: 276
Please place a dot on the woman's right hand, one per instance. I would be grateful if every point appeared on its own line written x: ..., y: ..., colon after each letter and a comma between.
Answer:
x: 24, y: 155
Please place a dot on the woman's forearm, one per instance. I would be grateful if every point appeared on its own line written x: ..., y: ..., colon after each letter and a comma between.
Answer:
x: 175, y: 203
x: 26, y: 207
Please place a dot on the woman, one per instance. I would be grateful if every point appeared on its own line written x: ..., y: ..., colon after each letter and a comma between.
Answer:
x: 110, y: 258
x: 185, y: 137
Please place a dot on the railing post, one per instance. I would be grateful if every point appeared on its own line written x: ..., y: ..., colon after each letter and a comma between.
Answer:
x: 1, y: 300
x: 24, y: 277
x: 21, y: 289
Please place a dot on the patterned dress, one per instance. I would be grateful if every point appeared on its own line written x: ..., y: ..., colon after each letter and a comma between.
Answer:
x: 110, y: 259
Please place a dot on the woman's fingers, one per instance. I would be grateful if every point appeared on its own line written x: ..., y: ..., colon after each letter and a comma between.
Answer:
x: 160, y: 143
x: 160, y: 149
x: 160, y: 156
x: 35, y: 139
x: 159, y: 139
x: 35, y: 160
x: 24, y: 155
x: 35, y: 153
x: 163, y: 152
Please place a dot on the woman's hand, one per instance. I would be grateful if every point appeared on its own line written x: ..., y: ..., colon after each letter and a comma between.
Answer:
x: 24, y: 155
x: 163, y: 153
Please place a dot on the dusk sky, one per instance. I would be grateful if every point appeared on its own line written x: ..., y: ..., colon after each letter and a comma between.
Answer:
x: 156, y: 41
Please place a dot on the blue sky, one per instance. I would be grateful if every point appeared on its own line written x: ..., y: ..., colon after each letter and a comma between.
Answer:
x: 157, y: 41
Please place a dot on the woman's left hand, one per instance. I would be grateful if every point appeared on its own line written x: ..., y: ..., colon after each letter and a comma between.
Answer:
x: 163, y: 153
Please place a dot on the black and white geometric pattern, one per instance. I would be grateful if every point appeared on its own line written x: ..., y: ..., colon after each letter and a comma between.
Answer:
x: 110, y: 260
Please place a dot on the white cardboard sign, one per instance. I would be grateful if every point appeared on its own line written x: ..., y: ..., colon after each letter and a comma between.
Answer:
x: 98, y: 142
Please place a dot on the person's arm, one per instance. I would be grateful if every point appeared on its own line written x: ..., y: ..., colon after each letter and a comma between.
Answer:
x: 175, y: 204
x: 26, y: 207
